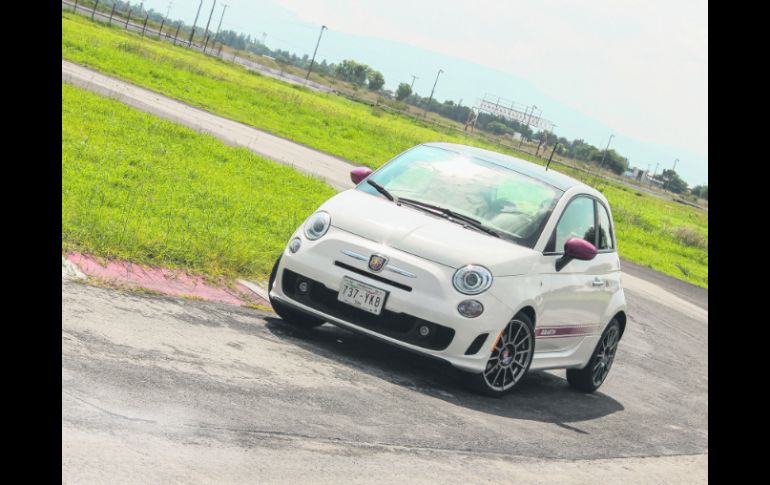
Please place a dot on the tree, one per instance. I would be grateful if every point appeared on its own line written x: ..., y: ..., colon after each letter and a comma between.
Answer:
x: 404, y: 91
x: 376, y: 80
x: 612, y: 160
x: 701, y: 191
x: 352, y: 72
x: 497, y: 128
x: 672, y: 181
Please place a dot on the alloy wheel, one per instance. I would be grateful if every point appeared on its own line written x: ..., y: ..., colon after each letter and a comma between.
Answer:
x: 605, y: 356
x: 511, y: 356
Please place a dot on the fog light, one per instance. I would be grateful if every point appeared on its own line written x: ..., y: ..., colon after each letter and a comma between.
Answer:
x: 303, y: 286
x: 424, y: 330
x: 295, y: 244
x: 470, y: 308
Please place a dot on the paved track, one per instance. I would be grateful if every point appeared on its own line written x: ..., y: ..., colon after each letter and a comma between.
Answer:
x: 159, y: 389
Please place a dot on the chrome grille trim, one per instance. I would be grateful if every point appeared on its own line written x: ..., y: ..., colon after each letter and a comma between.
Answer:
x: 389, y: 267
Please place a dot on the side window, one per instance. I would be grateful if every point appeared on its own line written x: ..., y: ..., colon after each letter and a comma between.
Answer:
x: 577, y: 221
x: 605, y: 230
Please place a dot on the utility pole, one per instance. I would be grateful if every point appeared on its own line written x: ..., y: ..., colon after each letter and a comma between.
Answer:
x: 605, y: 151
x: 216, y: 37
x: 312, y: 61
x: 160, y: 33
x: 206, y: 34
x: 414, y: 78
x: 425, y: 115
x: 674, y: 169
x: 192, y: 32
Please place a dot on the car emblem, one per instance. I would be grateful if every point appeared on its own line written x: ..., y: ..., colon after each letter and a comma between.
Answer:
x: 377, y: 262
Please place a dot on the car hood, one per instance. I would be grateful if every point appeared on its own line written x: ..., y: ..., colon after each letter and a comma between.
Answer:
x: 424, y: 235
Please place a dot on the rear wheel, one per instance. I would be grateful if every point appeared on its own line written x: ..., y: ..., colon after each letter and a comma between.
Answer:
x: 510, y: 359
x: 589, y: 378
x: 290, y: 315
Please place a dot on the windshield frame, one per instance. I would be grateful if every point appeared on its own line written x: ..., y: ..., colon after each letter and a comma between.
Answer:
x: 529, y: 241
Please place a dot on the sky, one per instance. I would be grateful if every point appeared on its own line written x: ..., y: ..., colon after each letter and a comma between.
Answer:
x: 637, y: 70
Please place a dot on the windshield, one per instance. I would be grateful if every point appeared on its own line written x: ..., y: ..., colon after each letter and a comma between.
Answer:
x: 513, y: 205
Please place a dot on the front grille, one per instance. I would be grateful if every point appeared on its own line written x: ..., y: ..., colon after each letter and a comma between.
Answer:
x: 373, y: 276
x: 401, y: 326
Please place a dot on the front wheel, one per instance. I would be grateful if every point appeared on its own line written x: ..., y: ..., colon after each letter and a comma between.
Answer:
x: 589, y: 378
x: 290, y: 315
x: 510, y: 359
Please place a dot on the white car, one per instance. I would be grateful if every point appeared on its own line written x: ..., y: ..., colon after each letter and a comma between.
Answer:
x: 492, y: 263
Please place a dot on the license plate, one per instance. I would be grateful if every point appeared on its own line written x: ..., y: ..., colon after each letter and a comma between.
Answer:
x: 362, y: 296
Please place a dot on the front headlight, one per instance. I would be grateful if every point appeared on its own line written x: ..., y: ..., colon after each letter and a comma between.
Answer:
x: 472, y: 279
x: 317, y: 225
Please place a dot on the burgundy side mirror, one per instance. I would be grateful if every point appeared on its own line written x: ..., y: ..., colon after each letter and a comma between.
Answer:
x: 576, y: 248
x: 579, y: 249
x: 359, y: 173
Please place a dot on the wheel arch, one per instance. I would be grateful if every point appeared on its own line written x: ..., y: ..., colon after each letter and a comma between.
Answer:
x: 529, y: 311
x: 621, y: 318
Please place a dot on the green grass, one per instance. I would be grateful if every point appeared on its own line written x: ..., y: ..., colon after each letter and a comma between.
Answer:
x: 147, y: 190
x: 662, y: 235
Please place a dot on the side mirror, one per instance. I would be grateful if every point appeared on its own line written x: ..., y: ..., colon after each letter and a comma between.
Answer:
x: 359, y: 173
x: 576, y: 248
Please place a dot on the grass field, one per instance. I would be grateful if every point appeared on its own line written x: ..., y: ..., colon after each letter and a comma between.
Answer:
x: 147, y: 190
x: 665, y: 236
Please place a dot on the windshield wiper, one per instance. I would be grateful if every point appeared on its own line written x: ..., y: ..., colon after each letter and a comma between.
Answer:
x: 476, y: 224
x: 381, y: 190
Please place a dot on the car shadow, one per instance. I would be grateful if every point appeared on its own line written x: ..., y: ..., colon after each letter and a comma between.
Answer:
x: 541, y: 396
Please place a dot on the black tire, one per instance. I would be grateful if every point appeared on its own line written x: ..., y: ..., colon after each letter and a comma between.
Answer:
x: 591, y: 377
x: 517, y: 344
x: 295, y: 317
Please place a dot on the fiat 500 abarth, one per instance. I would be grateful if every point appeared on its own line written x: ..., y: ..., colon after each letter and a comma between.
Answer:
x: 494, y: 264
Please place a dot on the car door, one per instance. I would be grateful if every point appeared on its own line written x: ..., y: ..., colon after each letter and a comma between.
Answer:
x: 575, y: 297
x: 608, y: 262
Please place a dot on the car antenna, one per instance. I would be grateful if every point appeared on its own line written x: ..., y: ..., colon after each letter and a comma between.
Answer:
x: 551, y: 157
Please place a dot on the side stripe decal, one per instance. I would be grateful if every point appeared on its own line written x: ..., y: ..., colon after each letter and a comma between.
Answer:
x: 566, y: 331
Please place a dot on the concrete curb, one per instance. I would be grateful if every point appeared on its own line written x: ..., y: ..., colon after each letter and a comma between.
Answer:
x: 256, y: 288
x: 70, y: 271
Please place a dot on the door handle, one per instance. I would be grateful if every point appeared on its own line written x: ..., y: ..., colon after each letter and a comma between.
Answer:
x: 597, y: 282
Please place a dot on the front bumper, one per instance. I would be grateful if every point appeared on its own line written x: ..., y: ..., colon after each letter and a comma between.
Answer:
x: 428, y: 298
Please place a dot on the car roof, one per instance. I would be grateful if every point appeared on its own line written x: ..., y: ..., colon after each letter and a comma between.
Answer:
x: 551, y: 177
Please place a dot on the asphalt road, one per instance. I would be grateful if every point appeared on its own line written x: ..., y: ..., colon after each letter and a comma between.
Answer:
x: 165, y: 390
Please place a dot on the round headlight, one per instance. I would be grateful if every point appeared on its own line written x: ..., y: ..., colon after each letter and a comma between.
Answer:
x: 317, y: 225
x: 472, y: 279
